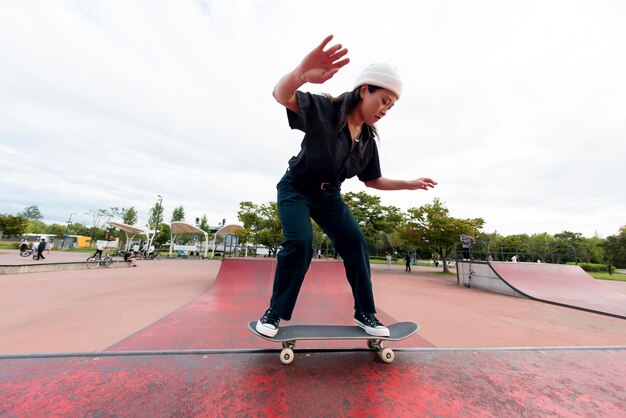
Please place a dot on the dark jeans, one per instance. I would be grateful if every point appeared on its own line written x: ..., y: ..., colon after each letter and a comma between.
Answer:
x: 297, y: 204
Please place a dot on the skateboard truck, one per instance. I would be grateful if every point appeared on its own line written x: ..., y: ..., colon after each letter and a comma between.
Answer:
x: 288, y: 336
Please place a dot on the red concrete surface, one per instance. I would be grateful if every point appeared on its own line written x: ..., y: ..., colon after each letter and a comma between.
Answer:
x: 209, y: 312
x: 566, y: 285
x: 510, y: 383
x: 240, y: 294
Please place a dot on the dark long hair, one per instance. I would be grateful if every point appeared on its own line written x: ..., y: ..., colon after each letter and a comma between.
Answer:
x: 349, y: 101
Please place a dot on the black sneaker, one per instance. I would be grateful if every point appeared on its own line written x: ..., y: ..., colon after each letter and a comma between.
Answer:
x: 268, y: 324
x: 371, y: 324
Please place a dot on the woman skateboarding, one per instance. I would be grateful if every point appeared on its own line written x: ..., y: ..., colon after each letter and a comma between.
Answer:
x: 339, y: 143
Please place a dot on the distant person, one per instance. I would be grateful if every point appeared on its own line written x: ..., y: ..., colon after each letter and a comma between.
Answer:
x: 100, y: 247
x: 407, y: 259
x: 40, y: 249
x: 50, y: 246
x: 35, y: 246
x: 23, y: 245
x: 130, y: 256
x: 466, y: 243
x: 436, y: 263
x: 514, y: 259
x: 388, y: 261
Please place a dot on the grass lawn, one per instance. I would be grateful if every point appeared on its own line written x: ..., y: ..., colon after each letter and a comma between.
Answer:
x: 606, y: 276
x: 5, y: 245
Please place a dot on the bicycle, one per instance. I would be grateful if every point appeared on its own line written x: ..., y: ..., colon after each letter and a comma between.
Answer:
x: 153, y: 256
x: 28, y: 253
x: 94, y: 262
x: 118, y: 253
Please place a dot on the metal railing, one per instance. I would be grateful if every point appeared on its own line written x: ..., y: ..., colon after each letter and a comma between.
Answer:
x: 553, y: 253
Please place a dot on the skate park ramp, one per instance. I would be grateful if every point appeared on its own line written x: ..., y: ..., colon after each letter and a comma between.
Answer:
x: 449, y: 383
x: 241, y: 293
x: 200, y: 360
x: 559, y: 284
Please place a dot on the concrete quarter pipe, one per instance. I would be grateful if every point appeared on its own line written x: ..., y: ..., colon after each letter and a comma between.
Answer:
x: 565, y: 285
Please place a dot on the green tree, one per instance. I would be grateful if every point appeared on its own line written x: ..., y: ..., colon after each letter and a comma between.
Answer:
x: 76, y: 228
x: 204, y: 223
x: 32, y: 213
x: 538, y: 246
x: 493, y: 240
x: 321, y: 242
x: 95, y: 231
x: 430, y: 226
x: 55, y: 229
x: 36, y: 227
x: 156, y: 216
x: 513, y: 245
x: 163, y: 235
x: 615, y: 249
x: 178, y: 214
x: 591, y: 250
x: 395, y: 241
x: 261, y: 224
x: 566, y: 245
x: 129, y: 216
x: 12, y: 225
x: 373, y: 218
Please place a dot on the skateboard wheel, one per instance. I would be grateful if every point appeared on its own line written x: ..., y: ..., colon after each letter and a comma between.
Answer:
x: 286, y: 356
x: 387, y: 355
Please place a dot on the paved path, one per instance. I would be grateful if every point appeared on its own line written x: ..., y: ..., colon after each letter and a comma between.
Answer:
x: 92, y: 310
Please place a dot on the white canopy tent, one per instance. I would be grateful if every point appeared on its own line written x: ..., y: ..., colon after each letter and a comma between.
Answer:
x: 226, y: 230
x: 127, y: 229
x: 178, y: 227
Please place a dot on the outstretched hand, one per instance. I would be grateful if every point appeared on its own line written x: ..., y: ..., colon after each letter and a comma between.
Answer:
x: 423, y: 183
x: 320, y: 65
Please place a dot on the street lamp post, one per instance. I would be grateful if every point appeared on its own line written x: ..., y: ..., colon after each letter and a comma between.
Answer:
x: 92, y: 233
x: 69, y: 222
x: 158, y: 219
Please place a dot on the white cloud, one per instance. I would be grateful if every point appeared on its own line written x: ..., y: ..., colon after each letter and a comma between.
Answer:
x: 516, y: 108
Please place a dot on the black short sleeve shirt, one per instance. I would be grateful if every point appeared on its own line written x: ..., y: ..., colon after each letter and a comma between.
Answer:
x: 326, y: 153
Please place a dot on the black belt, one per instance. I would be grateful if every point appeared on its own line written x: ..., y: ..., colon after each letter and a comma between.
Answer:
x: 327, y: 186
x: 314, y: 185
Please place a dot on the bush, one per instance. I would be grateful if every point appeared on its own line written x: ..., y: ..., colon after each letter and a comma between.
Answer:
x: 596, y: 268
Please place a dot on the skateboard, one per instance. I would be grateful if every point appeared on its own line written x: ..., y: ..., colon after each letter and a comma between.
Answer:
x: 288, y: 336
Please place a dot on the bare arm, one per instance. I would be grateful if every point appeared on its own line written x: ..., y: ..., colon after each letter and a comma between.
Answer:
x: 383, y: 183
x: 317, y: 67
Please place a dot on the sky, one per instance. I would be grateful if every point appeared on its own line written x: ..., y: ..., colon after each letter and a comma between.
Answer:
x: 517, y: 109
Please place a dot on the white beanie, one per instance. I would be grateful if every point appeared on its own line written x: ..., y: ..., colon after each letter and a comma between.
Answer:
x: 383, y: 75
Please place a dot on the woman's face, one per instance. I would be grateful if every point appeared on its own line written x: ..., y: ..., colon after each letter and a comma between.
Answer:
x: 375, y: 105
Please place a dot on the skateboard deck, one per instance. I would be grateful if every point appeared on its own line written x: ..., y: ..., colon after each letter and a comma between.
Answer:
x: 288, y: 335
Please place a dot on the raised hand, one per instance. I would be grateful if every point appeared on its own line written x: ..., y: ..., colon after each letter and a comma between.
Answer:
x: 320, y: 65
x: 423, y: 183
